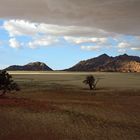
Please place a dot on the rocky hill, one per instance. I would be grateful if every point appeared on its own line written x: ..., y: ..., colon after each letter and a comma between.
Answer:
x: 121, y: 63
x: 34, y: 66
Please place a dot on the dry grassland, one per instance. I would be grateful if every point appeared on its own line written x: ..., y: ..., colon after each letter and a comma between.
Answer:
x: 58, y: 106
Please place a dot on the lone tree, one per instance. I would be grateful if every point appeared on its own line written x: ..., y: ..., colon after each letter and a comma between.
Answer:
x: 6, y: 83
x: 90, y: 80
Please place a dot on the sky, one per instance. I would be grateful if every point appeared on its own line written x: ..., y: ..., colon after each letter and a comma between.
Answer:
x: 61, y: 33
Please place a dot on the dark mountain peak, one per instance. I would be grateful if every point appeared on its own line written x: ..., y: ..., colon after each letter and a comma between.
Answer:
x: 36, y: 64
x: 104, y: 55
x: 33, y: 66
x: 125, y: 54
x: 126, y: 57
x: 121, y: 63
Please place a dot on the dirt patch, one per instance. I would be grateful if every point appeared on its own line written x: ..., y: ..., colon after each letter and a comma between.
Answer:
x: 28, y: 104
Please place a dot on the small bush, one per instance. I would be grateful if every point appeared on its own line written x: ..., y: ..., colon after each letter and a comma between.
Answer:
x: 7, y: 84
x: 90, y: 80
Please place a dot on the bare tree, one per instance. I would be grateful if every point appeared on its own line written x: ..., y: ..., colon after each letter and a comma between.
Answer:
x: 90, y: 80
x: 6, y: 83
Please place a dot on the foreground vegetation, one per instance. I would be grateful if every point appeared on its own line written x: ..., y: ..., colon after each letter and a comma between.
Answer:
x: 58, y: 106
x: 7, y: 84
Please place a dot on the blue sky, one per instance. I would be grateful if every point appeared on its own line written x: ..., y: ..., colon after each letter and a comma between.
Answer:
x: 60, y: 47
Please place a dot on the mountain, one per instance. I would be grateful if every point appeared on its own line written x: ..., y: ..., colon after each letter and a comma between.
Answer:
x: 121, y: 63
x: 34, y: 66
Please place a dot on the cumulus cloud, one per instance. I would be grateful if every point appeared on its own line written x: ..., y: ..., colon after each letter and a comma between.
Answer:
x: 20, y: 27
x: 123, y: 45
x: 42, y: 42
x: 90, y: 48
x: 80, y: 40
x: 119, y: 16
x: 135, y: 49
x: 14, y: 43
x: 97, y: 43
x: 23, y: 27
x: 131, y: 44
x: 45, y: 34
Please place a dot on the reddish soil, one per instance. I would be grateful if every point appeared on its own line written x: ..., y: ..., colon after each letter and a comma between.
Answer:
x: 28, y: 104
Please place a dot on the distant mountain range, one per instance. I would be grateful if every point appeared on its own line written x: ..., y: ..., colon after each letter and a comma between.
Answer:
x: 34, y: 66
x: 102, y: 63
x: 105, y: 63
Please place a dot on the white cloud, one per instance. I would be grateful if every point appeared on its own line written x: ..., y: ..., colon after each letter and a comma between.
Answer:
x: 90, y: 48
x: 22, y: 27
x: 98, y: 43
x: 14, y: 43
x: 123, y: 45
x: 122, y: 50
x: 59, y: 30
x: 80, y: 40
x: 132, y: 44
x: 135, y: 49
x: 46, y: 34
x: 43, y: 41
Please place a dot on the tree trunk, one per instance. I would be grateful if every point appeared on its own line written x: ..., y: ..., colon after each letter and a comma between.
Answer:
x: 90, y: 86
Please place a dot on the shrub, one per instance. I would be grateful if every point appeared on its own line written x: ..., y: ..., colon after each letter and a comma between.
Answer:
x: 90, y: 80
x: 6, y: 83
